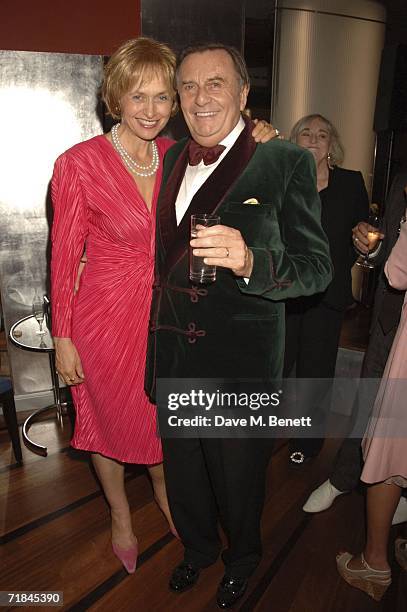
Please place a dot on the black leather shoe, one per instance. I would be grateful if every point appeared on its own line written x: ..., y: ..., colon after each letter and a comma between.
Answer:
x: 230, y: 590
x: 183, y: 577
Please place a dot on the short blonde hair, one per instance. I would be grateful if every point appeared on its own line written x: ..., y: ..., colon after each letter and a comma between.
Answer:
x: 138, y: 59
x: 336, y: 150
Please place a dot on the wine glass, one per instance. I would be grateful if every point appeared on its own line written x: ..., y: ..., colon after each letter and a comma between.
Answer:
x: 38, y: 312
x: 374, y: 235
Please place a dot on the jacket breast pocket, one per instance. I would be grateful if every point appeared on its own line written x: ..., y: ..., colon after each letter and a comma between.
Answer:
x: 256, y: 222
x: 254, y: 210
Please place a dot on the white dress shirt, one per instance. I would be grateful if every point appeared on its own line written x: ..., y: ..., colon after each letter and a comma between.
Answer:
x: 195, y: 176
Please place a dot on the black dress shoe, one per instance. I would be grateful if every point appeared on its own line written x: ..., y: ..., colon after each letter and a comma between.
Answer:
x: 230, y: 590
x: 183, y: 577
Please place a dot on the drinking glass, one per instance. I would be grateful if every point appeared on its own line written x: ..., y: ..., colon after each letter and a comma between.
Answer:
x: 374, y: 236
x: 38, y: 312
x: 199, y: 271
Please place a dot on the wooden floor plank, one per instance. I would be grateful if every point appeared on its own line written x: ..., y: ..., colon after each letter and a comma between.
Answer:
x: 43, y: 487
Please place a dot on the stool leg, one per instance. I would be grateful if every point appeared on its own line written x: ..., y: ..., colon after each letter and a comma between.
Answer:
x: 10, y: 417
x: 33, y: 446
x: 55, y: 387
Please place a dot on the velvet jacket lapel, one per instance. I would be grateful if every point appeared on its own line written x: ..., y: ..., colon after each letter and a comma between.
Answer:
x: 208, y: 198
x: 167, y: 220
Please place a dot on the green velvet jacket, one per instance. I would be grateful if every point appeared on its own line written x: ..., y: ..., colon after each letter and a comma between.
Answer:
x: 230, y: 329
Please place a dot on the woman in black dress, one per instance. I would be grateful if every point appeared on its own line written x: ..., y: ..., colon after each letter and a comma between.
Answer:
x: 313, y: 324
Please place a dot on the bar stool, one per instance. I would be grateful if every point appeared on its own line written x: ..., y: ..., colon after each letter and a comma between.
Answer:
x: 23, y: 334
x: 10, y: 416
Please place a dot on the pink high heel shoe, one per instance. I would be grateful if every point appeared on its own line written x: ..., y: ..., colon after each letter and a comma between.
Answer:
x: 127, y: 556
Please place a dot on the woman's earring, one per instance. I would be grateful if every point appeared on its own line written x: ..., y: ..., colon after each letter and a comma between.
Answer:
x: 329, y: 160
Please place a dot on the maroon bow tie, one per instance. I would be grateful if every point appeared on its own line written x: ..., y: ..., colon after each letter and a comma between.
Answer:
x: 209, y: 155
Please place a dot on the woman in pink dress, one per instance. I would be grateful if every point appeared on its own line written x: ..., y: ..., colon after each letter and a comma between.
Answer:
x: 104, y: 192
x: 385, y: 453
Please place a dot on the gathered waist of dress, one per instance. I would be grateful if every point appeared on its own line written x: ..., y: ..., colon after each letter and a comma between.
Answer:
x: 116, y: 267
x: 112, y: 255
x: 96, y: 280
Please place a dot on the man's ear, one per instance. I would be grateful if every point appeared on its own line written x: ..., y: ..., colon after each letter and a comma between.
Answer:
x: 243, y: 96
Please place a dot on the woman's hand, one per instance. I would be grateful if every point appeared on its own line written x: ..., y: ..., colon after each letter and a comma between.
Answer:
x: 263, y: 131
x: 224, y: 246
x: 360, y: 238
x: 67, y: 361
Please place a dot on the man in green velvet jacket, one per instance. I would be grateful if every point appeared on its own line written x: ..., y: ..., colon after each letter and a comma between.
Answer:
x: 269, y: 246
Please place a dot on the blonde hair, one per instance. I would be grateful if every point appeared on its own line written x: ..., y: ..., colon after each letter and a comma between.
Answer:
x: 336, y: 150
x: 136, y: 60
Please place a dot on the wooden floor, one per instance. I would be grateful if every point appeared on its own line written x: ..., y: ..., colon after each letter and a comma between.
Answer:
x: 55, y: 536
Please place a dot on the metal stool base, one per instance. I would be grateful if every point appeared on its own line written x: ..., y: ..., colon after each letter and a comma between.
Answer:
x: 33, y: 446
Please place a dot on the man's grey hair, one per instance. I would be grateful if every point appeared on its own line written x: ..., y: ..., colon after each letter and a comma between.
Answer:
x: 234, y: 54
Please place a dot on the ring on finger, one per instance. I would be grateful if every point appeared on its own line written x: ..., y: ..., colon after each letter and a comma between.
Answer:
x: 227, y: 252
x: 277, y: 131
x: 356, y: 239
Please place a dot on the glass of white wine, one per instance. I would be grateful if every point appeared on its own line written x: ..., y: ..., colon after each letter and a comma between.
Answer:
x: 38, y: 312
x: 374, y: 235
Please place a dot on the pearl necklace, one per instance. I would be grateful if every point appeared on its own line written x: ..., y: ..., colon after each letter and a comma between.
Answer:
x: 131, y: 163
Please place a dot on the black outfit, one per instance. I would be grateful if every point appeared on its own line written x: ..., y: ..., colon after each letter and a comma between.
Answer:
x: 233, y: 469
x: 385, y: 319
x: 230, y: 329
x: 313, y: 324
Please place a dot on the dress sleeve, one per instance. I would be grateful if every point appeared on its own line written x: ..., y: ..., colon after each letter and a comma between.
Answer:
x: 360, y: 211
x: 69, y: 230
x: 360, y: 199
x: 396, y: 265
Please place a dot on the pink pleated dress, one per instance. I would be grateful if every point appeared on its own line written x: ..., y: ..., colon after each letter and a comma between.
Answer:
x: 97, y: 203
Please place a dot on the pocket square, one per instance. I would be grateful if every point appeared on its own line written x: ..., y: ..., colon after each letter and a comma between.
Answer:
x: 251, y: 201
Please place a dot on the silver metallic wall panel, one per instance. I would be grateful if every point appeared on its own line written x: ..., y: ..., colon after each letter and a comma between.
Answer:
x: 327, y: 60
x: 48, y: 102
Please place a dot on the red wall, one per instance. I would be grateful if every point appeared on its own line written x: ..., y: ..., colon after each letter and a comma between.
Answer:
x: 70, y: 26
